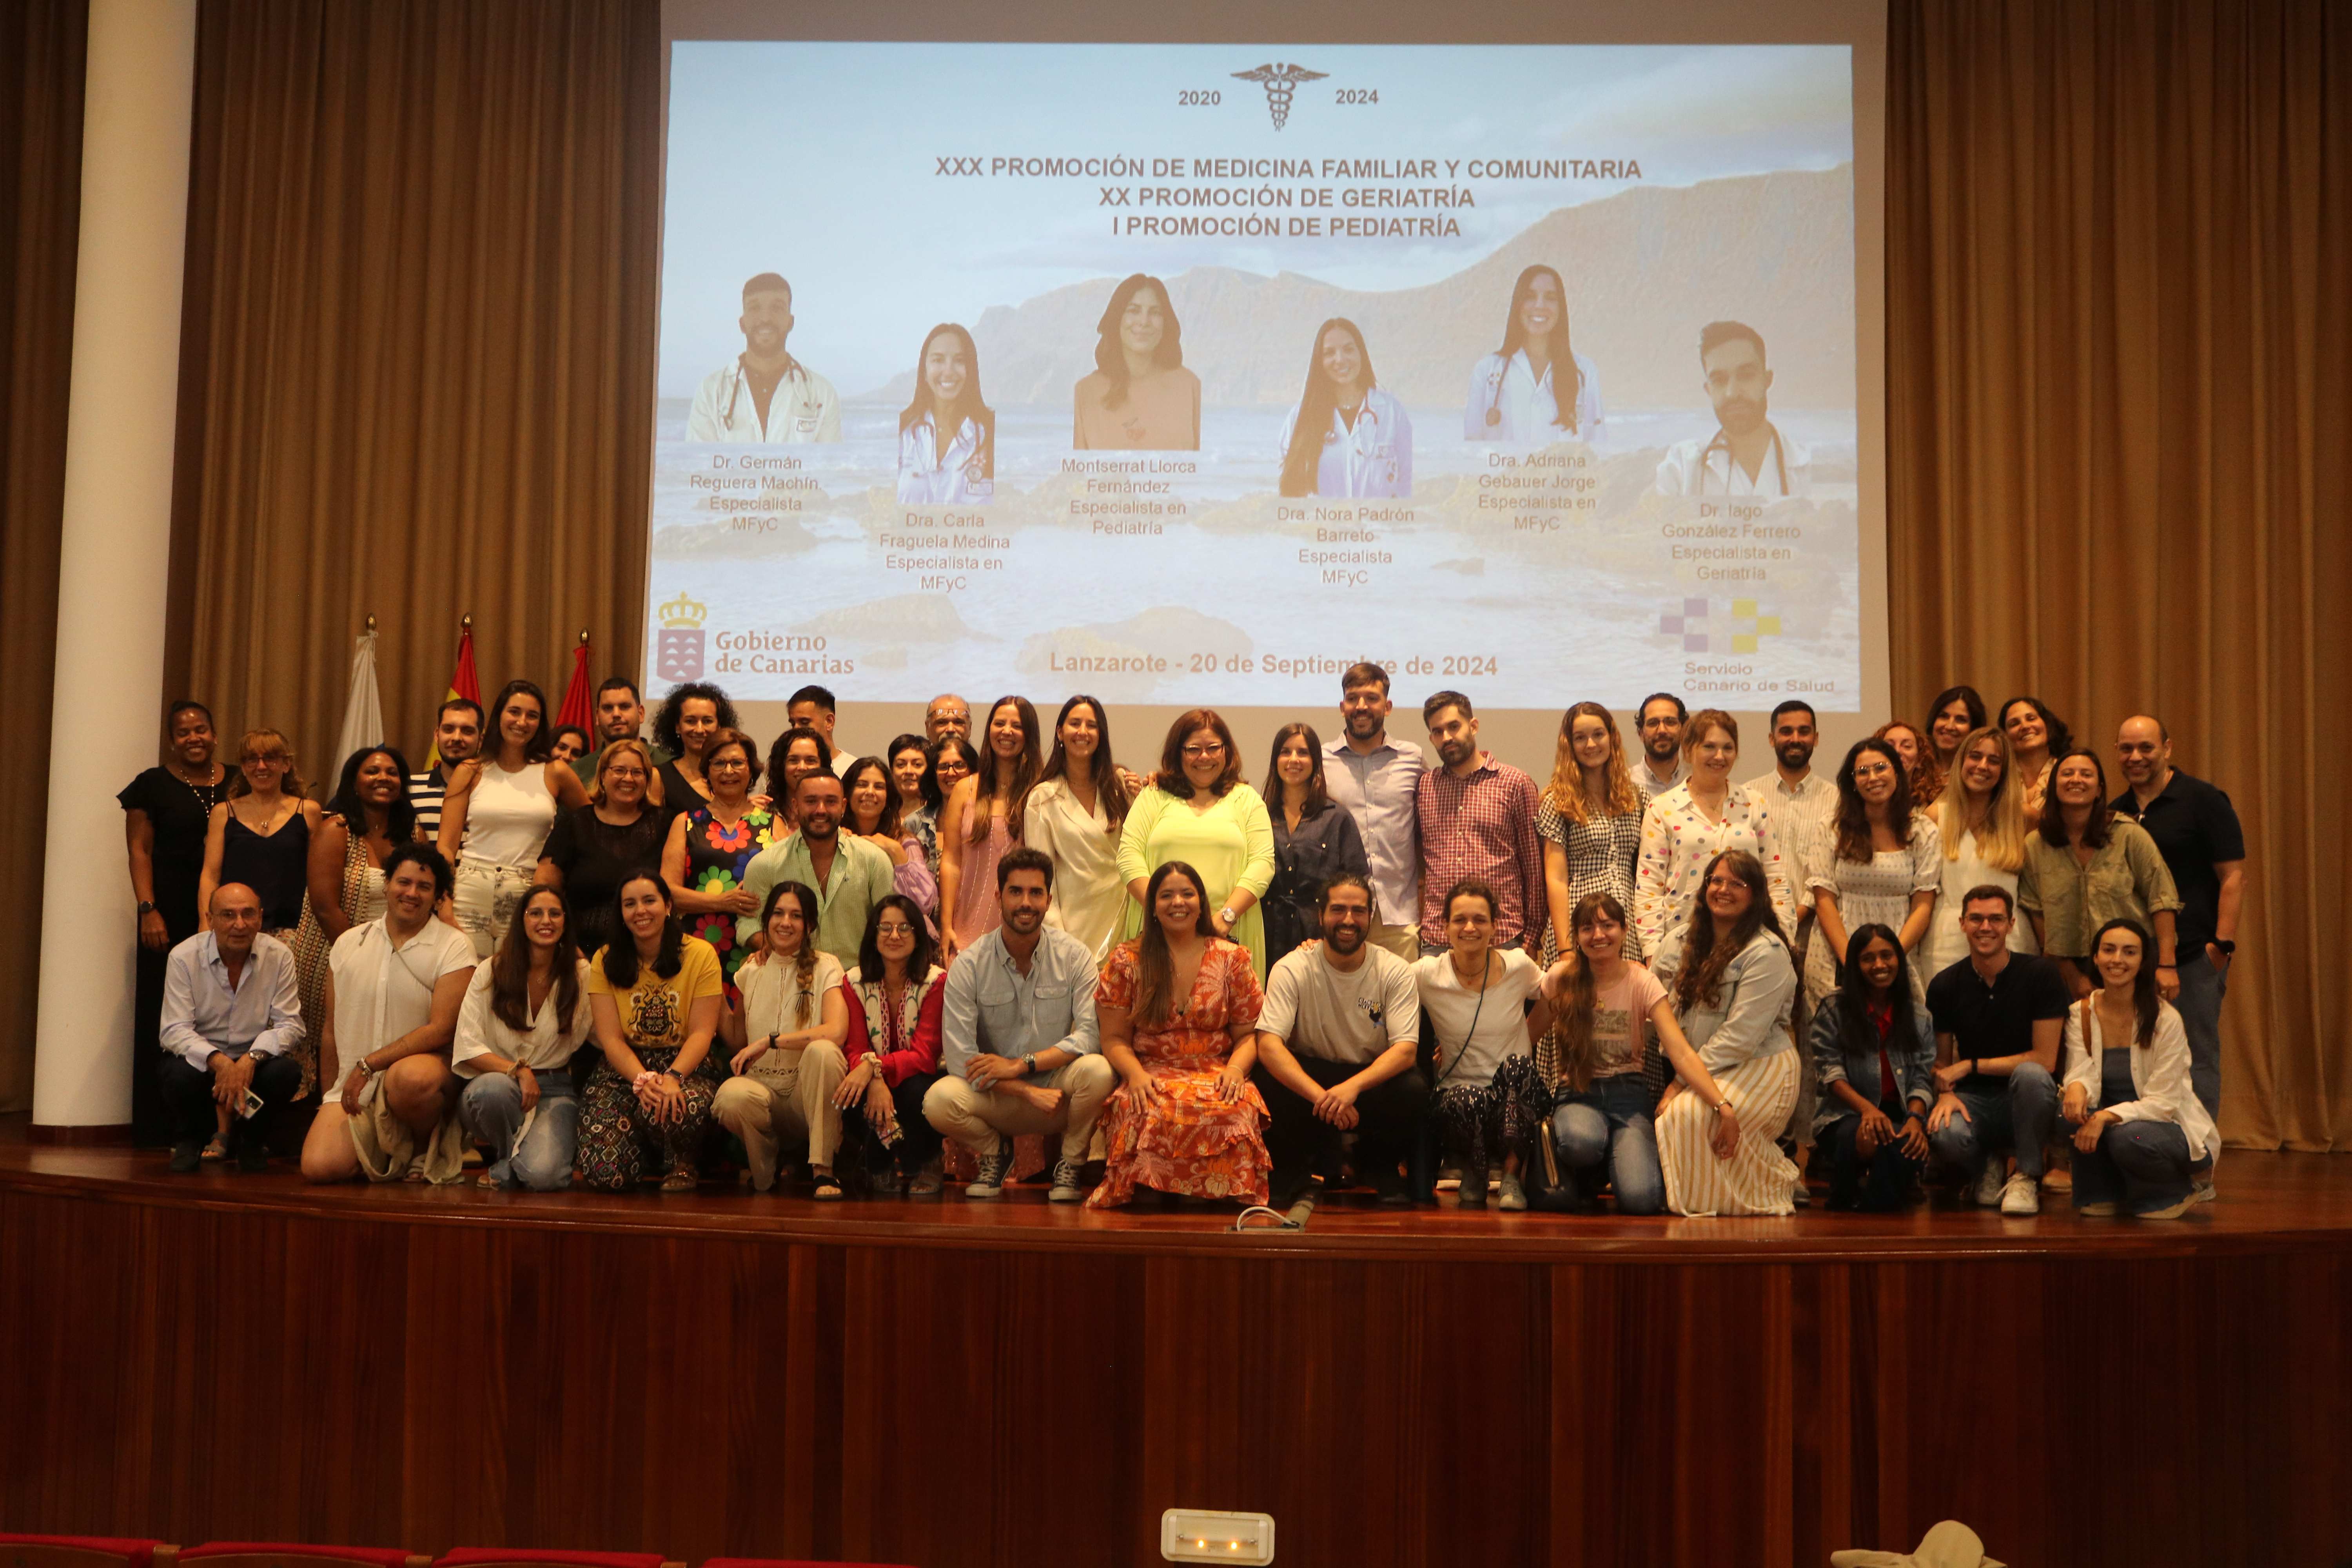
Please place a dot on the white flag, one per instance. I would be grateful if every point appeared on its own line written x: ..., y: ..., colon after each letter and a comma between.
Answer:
x: 363, y: 709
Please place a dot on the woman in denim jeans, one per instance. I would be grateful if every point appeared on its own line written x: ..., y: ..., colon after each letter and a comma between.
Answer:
x: 1592, y: 1058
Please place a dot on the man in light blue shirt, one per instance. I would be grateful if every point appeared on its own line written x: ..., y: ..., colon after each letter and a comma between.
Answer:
x: 1018, y: 1037
x: 232, y: 1017
x: 1375, y: 779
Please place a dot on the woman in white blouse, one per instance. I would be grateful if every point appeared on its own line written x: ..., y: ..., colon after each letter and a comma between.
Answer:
x: 526, y: 1012
x: 2140, y: 1133
x: 1689, y: 825
x: 1734, y: 986
x: 1980, y: 818
x: 787, y: 1041
x: 499, y: 808
x: 1880, y: 864
x: 1074, y: 815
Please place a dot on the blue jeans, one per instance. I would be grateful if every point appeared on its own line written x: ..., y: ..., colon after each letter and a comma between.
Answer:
x: 491, y: 1109
x: 1879, y: 1182
x: 2141, y: 1165
x: 2018, y: 1120
x: 1611, y: 1121
x: 2199, y: 1002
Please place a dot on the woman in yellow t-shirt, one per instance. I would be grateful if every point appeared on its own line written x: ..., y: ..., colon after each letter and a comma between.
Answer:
x: 655, y: 996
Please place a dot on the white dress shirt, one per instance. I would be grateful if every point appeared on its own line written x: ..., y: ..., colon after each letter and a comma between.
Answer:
x: 260, y: 1015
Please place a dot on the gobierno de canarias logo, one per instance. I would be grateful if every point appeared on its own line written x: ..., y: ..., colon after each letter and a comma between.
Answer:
x: 678, y: 651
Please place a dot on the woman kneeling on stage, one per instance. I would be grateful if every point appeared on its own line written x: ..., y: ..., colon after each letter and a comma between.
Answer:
x: 1733, y: 985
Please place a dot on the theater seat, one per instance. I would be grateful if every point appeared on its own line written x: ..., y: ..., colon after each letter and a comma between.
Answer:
x: 789, y: 1563
x: 515, y: 1557
x: 291, y: 1554
x: 83, y: 1551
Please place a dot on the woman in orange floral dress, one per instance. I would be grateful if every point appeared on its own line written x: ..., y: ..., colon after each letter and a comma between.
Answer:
x: 1178, y: 1010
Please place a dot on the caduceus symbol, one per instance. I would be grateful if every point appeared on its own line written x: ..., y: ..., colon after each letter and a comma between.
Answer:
x: 1280, y: 81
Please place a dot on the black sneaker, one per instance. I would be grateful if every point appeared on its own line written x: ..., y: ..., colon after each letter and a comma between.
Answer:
x: 1473, y: 1194
x: 187, y: 1157
x: 252, y: 1155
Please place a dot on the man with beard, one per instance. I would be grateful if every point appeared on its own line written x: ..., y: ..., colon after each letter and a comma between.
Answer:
x: 1335, y: 1053
x: 1746, y: 458
x: 947, y: 715
x: 1477, y: 820
x: 1802, y: 804
x: 849, y: 873
x: 620, y: 714
x: 1018, y: 1039
x: 2196, y: 829
x: 456, y: 736
x: 1659, y: 724
x: 1375, y: 779
x: 766, y: 396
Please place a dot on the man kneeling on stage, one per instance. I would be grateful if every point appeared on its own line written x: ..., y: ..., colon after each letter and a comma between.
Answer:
x: 1018, y: 1037
x: 231, y: 1015
x: 1335, y: 1046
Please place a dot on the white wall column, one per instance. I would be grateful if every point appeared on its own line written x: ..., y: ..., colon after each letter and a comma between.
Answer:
x: 136, y: 129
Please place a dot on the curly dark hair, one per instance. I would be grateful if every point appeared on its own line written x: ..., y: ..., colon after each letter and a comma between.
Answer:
x: 665, y: 722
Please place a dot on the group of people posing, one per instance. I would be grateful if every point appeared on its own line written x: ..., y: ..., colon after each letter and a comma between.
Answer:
x: 1347, y: 436
x: 969, y: 956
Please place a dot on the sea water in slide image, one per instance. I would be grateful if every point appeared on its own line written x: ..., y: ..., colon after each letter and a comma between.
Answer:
x: 1518, y: 559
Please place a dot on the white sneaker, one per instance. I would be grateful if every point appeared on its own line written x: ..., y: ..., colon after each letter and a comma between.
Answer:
x: 1990, y: 1182
x: 1066, y: 1183
x: 2202, y: 1192
x: 1515, y: 1196
x: 2023, y: 1196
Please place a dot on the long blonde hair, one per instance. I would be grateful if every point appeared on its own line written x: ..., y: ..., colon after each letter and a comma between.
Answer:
x: 2000, y: 837
x: 1566, y: 791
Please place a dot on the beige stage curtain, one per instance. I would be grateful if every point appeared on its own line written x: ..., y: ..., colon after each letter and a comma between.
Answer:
x: 417, y: 368
x: 2119, y: 381
x: 41, y: 68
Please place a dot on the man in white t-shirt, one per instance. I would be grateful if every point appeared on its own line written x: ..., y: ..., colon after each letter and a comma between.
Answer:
x: 395, y: 988
x: 1336, y: 1043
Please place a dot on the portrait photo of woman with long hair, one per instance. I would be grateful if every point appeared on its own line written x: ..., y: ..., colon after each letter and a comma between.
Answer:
x: 1536, y: 388
x: 1139, y: 397
x: 946, y: 432
x: 1346, y: 438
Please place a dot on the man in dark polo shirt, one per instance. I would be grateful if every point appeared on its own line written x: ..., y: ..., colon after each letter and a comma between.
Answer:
x: 1999, y: 1019
x: 2197, y: 830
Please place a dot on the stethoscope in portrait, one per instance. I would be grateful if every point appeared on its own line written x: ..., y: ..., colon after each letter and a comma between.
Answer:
x: 793, y: 371
x: 1494, y: 390
x: 1723, y: 442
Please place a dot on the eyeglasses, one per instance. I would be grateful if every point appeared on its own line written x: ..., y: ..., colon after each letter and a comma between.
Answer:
x: 271, y: 758
x: 894, y: 930
x: 724, y: 764
x: 1214, y: 749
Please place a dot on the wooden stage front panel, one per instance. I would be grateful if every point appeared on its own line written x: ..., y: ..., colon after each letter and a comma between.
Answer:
x: 952, y: 1385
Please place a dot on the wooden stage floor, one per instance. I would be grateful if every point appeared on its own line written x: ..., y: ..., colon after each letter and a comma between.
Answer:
x: 2269, y: 1201
x: 951, y: 1385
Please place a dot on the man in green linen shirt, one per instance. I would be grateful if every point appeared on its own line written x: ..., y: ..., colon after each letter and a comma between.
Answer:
x: 850, y: 875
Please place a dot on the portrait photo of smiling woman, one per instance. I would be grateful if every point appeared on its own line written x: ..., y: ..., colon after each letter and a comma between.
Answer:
x: 946, y: 433
x: 1139, y: 397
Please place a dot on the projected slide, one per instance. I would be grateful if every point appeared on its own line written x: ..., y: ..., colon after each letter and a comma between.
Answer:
x: 1192, y: 375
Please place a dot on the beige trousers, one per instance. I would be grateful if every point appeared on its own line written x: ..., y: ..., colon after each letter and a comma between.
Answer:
x: 1403, y: 940
x: 980, y: 1122
x: 789, y: 1094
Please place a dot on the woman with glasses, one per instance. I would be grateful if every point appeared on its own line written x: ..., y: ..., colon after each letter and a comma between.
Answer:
x: 1196, y: 809
x: 261, y: 834
x: 712, y: 845
x: 593, y: 850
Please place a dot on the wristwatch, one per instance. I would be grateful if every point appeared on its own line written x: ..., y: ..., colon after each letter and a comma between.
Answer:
x: 147, y: 907
x: 1228, y: 915
x: 2228, y: 947
x: 1029, y: 1064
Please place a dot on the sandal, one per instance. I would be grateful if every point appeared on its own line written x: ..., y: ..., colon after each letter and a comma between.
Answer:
x: 828, y: 1187
x: 681, y: 1179
x: 486, y: 1180
x: 216, y: 1150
